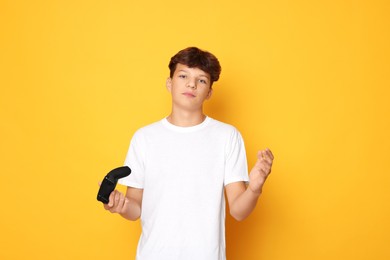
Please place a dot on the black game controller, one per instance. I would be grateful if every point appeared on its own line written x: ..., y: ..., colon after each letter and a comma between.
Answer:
x: 109, y: 182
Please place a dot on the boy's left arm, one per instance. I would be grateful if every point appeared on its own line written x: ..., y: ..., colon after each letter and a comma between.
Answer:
x: 242, y: 200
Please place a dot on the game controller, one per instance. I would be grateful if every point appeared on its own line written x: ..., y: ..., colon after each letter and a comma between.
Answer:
x: 109, y: 182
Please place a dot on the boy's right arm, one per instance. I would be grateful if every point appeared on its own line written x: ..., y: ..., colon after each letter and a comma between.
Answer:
x: 128, y: 206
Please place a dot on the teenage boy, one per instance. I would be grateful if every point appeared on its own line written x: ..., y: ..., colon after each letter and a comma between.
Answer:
x: 181, y: 167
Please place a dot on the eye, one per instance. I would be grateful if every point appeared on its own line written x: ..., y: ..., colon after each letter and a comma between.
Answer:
x: 182, y: 76
x: 203, y: 81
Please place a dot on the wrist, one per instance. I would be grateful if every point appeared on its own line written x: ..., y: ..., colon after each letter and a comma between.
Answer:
x: 255, y: 192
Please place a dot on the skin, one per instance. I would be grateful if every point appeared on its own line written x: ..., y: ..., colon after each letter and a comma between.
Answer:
x: 190, y: 88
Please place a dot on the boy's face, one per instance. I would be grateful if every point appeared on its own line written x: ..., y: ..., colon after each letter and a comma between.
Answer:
x: 189, y: 87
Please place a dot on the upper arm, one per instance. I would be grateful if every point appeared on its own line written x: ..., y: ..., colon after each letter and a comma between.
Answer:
x: 234, y: 190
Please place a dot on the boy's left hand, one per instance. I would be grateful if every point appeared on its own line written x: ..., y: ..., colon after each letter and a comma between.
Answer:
x: 260, y: 171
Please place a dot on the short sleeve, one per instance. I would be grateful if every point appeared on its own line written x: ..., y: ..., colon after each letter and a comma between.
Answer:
x: 135, y: 159
x: 236, y: 166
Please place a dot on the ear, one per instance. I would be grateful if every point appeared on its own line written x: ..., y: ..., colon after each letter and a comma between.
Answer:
x: 169, y: 84
x: 209, y: 94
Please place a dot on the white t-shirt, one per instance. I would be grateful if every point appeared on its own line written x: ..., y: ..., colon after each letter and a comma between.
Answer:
x: 183, y: 171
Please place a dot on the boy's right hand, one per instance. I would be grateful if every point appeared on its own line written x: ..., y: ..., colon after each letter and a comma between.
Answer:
x: 118, y: 203
x: 128, y: 206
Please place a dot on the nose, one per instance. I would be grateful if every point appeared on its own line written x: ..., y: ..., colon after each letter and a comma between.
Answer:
x: 191, y: 84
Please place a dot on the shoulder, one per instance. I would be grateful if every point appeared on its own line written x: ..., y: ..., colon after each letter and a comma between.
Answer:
x: 147, y: 130
x: 224, y: 128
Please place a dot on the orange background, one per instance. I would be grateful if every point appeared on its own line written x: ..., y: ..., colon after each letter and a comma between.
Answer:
x: 309, y: 79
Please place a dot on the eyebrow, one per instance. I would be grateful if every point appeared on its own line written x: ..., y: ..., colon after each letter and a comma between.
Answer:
x: 201, y: 75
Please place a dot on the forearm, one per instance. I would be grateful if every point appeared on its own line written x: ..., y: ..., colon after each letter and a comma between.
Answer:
x: 132, y: 211
x: 244, y: 204
x: 243, y: 200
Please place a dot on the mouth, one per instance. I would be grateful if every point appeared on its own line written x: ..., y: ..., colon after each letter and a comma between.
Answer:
x: 188, y: 94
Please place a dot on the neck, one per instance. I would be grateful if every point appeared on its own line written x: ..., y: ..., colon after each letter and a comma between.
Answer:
x: 186, y: 118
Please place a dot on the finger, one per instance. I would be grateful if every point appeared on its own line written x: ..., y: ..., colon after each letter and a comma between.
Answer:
x: 119, y: 207
x: 265, y: 168
x: 114, y: 201
x: 264, y: 172
x: 106, y: 207
x: 261, y: 155
x: 267, y: 156
x: 267, y: 162
x: 111, y: 199
x: 117, y: 197
x: 270, y: 153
